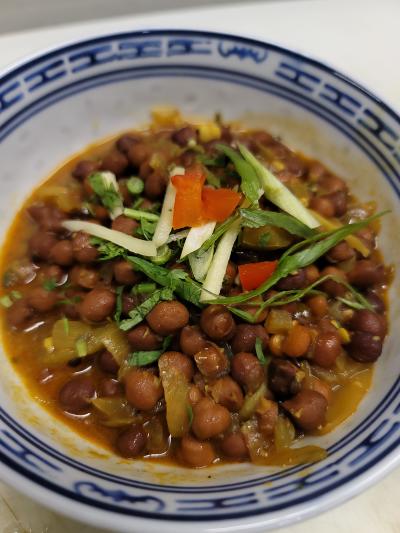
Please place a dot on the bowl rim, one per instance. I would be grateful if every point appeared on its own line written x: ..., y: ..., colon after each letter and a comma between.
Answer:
x: 105, y: 518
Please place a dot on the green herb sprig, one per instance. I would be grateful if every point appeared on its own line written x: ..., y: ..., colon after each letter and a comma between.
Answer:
x: 143, y: 358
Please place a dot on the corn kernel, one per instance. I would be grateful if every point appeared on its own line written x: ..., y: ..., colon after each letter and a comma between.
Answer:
x: 48, y: 344
x: 335, y: 323
x: 275, y: 344
x: 344, y: 335
x: 166, y: 116
x: 209, y: 131
x: 278, y: 165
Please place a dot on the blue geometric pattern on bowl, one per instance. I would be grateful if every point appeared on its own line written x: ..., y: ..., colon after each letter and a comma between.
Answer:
x: 358, y: 115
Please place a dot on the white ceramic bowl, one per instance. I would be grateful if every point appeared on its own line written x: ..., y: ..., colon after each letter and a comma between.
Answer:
x: 56, y: 103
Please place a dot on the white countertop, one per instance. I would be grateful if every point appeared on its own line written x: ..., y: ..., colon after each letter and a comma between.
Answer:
x: 360, y: 38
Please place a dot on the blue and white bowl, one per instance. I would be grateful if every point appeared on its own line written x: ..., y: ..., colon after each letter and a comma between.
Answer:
x: 58, y: 102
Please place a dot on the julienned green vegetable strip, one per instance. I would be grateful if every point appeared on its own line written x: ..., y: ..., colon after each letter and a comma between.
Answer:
x: 137, y: 214
x: 256, y: 218
x: 140, y: 312
x: 291, y: 262
x: 197, y: 237
x: 176, y: 279
x: 216, y: 273
x: 164, y: 225
x: 132, y: 244
x: 219, y: 231
x: 295, y: 295
x: 277, y: 193
x: 250, y: 185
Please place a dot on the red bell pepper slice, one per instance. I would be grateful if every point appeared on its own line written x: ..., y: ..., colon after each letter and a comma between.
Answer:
x: 219, y: 204
x: 188, y: 207
x: 252, y: 275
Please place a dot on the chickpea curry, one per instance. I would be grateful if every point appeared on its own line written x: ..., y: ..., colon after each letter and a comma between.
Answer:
x: 197, y: 293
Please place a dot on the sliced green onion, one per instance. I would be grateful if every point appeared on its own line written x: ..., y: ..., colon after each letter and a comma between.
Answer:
x: 6, y: 301
x: 81, y: 348
x: 144, y: 288
x: 65, y: 322
x: 16, y: 295
x: 138, y: 214
x: 135, y: 185
x: 164, y: 254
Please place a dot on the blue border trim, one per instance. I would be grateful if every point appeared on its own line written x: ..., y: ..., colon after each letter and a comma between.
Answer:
x: 279, y: 92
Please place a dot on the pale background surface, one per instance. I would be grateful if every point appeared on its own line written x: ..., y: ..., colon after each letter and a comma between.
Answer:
x: 359, y: 37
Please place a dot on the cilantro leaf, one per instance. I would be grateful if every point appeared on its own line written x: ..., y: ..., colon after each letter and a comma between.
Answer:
x: 118, y: 306
x: 250, y: 184
x: 107, y: 250
x: 257, y: 218
x: 106, y: 188
x: 49, y: 284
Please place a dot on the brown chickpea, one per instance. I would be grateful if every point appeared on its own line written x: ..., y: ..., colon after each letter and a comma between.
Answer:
x: 115, y: 162
x: 84, y: 168
x: 126, y: 141
x: 167, y: 318
x: 330, y: 286
x: 312, y: 273
x: 142, y: 388
x: 108, y: 363
x: 184, y: 135
x: 327, y: 349
x: 48, y: 217
x: 41, y: 244
x: 62, y: 253
x: 155, y: 185
x: 365, y: 347
x: 131, y: 441
x: 318, y: 305
x: 138, y: 152
x: 197, y: 453
x: 192, y: 340
x: 125, y: 225
x: 209, y: 419
x: 283, y: 378
x: 180, y: 362
x: 318, y: 385
x: 212, y: 361
x: 247, y: 370
x: 330, y: 183
x: 366, y: 273
x: 227, y: 392
x: 234, y: 446
x: 217, y: 322
x: 297, y: 341
x: 341, y: 252
x: 246, y: 336
x: 83, y: 251
x: 19, y: 313
x: 230, y: 275
x: 323, y: 205
x: 42, y: 299
x: 267, y: 416
x: 84, y: 276
x: 75, y: 395
x: 97, y: 305
x: 307, y: 409
x: 124, y: 273
x: 142, y: 337
x: 109, y: 388
x: 369, y: 322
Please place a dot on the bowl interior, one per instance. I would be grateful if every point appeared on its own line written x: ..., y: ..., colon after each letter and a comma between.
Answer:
x: 56, y: 104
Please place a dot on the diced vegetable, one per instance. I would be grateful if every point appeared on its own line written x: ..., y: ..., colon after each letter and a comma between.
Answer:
x: 197, y: 237
x: 176, y: 389
x: 216, y: 273
x: 265, y: 238
x: 164, y: 254
x: 352, y: 240
x: 252, y: 275
x: 257, y: 445
x: 284, y: 433
x: 116, y: 411
x: 277, y: 193
x: 219, y: 204
x: 132, y: 244
x: 157, y: 436
x: 278, y: 321
x: 251, y: 402
x: 135, y: 185
x: 188, y: 201
x: 164, y: 225
x: 114, y: 341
